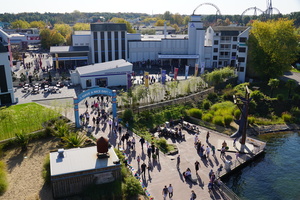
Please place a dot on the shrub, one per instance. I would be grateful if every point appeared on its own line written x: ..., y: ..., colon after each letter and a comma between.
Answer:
x: 46, y: 169
x: 132, y: 186
x: 257, y: 95
x: 218, y: 120
x: 212, y: 96
x: 3, y: 178
x: 237, y: 114
x: 296, y: 97
x: 280, y: 97
x: 127, y: 115
x: 207, y: 117
x: 22, y: 139
x: 251, y: 120
x: 227, y: 120
x: 287, y: 117
x: 74, y: 140
x: 195, y: 112
x: 206, y: 104
x: 162, y: 144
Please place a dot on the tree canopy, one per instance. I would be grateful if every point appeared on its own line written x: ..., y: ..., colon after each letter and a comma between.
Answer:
x: 20, y: 24
x: 273, y: 47
x: 81, y: 27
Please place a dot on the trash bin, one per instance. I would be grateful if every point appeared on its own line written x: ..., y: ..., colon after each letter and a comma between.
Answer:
x: 89, y: 129
x: 227, y: 165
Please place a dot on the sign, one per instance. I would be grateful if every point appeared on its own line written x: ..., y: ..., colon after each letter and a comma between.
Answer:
x: 186, y: 71
x: 196, y: 69
x: 146, y: 79
x: 105, y: 177
x: 175, y: 73
x: 94, y: 91
x: 163, y: 76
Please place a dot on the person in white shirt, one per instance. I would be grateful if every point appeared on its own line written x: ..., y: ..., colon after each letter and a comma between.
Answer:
x: 170, y: 189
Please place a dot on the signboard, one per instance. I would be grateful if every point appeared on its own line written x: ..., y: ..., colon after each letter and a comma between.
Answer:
x: 105, y: 177
x: 94, y: 91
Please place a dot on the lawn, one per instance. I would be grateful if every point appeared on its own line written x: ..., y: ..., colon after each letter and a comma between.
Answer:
x: 24, y: 117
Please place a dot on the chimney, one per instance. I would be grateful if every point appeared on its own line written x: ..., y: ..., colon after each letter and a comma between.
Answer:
x: 165, y: 29
x: 61, y: 153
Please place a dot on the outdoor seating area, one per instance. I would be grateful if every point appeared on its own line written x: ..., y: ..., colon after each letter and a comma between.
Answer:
x: 166, y: 130
x: 40, y: 88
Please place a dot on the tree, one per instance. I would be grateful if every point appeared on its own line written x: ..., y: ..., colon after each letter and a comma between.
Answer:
x: 50, y: 38
x: 160, y: 22
x: 63, y: 29
x: 37, y: 24
x: 121, y: 20
x: 186, y: 20
x: 177, y: 18
x: 20, y: 24
x: 81, y: 27
x: 273, y: 46
x: 167, y: 16
x: 273, y: 83
x: 291, y: 84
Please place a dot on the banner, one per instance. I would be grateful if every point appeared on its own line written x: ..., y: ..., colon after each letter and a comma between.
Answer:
x: 175, y: 73
x: 196, y: 69
x: 202, y: 67
x: 56, y: 56
x: 129, y: 83
x: 186, y: 71
x: 163, y: 76
x: 146, y: 78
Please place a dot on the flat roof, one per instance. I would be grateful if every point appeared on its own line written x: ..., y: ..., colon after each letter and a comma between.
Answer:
x: 102, y: 66
x: 229, y: 28
x: 80, y: 159
x: 69, y: 49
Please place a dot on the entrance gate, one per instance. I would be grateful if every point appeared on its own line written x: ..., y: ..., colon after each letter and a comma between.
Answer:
x: 92, y: 92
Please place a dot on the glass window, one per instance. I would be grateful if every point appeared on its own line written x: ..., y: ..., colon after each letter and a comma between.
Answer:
x: 215, y: 49
x: 215, y: 58
x: 89, y: 83
x: 216, y: 42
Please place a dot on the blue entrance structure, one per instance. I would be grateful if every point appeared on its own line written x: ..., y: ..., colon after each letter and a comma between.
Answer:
x: 92, y: 92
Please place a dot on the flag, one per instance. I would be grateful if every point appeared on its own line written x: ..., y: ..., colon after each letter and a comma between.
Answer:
x: 146, y: 78
x: 163, y: 76
x: 175, y: 73
x: 186, y: 71
x: 202, y: 67
x: 129, y: 83
x: 196, y: 69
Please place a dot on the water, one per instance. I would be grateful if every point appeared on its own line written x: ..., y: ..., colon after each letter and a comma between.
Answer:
x: 275, y: 175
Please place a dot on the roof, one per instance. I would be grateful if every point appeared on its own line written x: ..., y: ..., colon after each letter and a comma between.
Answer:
x: 229, y: 28
x: 102, y: 66
x: 80, y: 159
x: 68, y: 49
x: 82, y: 33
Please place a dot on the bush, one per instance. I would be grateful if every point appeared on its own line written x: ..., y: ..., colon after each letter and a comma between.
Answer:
x: 218, y: 120
x: 296, y: 97
x: 206, y: 104
x: 46, y: 169
x: 257, y: 95
x: 287, y: 117
x: 132, y: 186
x: 22, y: 139
x: 227, y: 120
x: 195, y: 112
x: 237, y: 114
x: 3, y: 178
x: 162, y: 144
x: 251, y: 120
x: 207, y: 117
x: 127, y: 115
x: 212, y: 97
x: 280, y: 97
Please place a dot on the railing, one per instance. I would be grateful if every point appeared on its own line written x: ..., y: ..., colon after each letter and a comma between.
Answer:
x: 227, y: 192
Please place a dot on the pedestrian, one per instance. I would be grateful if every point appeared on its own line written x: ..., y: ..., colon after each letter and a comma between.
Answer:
x: 222, y: 155
x: 170, y: 190
x: 94, y: 121
x: 138, y: 159
x: 210, y: 173
x: 157, y: 153
x: 197, y: 164
x: 133, y: 142
x: 207, y: 151
x: 165, y: 192
x: 178, y: 161
x: 142, y: 141
x: 86, y: 104
x: 207, y: 136
x: 149, y: 151
x: 120, y: 129
x: 193, y: 195
x: 213, y: 149
x: 143, y: 167
x: 234, y: 141
x: 196, y: 140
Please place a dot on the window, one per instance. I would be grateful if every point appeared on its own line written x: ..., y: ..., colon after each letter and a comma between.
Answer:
x: 241, y: 69
x: 234, y: 38
x: 216, y: 42
x: 217, y: 34
x: 242, y: 49
x: 88, y: 83
x: 220, y: 62
x: 234, y: 46
x: 215, y: 58
x: 233, y: 54
x: 243, y: 39
x: 241, y: 59
x: 101, y: 82
x: 215, y: 49
x: 214, y: 64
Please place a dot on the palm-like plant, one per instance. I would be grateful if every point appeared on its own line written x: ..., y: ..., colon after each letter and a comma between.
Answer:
x: 22, y: 139
x: 273, y: 83
x: 74, y: 140
x: 291, y: 84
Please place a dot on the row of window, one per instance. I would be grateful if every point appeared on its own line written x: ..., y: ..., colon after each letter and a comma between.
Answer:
x: 240, y: 59
x: 240, y: 49
x: 228, y: 38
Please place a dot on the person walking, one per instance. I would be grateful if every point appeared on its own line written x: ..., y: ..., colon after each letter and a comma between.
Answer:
x: 157, y: 153
x: 170, y: 190
x: 207, y: 151
x: 213, y: 149
x: 193, y: 195
x: 178, y: 161
x: 165, y: 192
x: 142, y: 141
x: 207, y: 136
x: 197, y: 164
x: 143, y: 167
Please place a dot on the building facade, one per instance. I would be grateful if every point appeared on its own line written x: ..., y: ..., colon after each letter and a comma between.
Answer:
x: 6, y: 85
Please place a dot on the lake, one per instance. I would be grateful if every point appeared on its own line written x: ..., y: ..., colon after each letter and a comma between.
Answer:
x: 273, y: 176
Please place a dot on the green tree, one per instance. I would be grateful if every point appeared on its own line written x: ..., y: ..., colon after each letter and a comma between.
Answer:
x: 167, y: 16
x: 273, y: 46
x: 50, y: 38
x: 81, y: 27
x: 291, y: 84
x: 20, y: 24
x: 186, y: 20
x: 37, y: 24
x: 121, y: 20
x: 177, y: 18
x: 160, y: 22
x: 273, y: 83
x: 63, y: 29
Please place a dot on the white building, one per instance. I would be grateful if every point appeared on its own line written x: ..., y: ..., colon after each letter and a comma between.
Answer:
x: 112, y: 73
x: 6, y: 85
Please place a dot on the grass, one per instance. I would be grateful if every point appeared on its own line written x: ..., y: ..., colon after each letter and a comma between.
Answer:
x: 295, y: 70
x: 24, y: 117
x: 3, y: 178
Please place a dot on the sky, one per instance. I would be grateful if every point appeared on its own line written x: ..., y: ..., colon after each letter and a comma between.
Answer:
x: 187, y: 7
